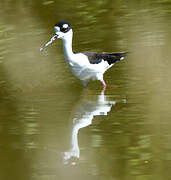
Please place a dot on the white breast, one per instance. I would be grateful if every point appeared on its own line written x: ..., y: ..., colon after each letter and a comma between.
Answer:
x: 81, y: 67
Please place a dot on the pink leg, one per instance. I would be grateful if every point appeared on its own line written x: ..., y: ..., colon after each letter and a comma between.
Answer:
x: 104, y: 84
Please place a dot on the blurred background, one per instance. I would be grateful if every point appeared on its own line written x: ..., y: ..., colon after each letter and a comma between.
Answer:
x: 43, y: 107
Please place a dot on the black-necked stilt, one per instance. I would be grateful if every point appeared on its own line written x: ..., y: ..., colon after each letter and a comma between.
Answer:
x: 84, y: 65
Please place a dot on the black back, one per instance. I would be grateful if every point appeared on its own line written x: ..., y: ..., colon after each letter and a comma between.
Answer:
x: 111, y: 58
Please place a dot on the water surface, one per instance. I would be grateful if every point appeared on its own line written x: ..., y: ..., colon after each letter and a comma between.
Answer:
x: 50, y: 127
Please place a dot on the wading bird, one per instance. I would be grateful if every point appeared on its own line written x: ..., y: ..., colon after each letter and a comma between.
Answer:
x: 84, y: 65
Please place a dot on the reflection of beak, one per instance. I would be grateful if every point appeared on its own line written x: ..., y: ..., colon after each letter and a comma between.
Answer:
x: 49, y: 42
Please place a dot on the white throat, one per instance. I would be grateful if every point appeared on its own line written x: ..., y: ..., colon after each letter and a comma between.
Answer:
x: 67, y: 45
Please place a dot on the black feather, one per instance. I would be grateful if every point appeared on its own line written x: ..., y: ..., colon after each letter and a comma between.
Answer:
x: 111, y: 58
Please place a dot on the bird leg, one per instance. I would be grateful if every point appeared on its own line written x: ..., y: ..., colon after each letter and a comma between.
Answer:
x: 104, y: 84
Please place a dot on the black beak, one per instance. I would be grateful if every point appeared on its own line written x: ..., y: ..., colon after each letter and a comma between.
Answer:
x: 49, y: 42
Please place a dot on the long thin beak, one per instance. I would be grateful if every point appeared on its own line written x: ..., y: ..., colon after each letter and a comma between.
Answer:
x: 49, y: 42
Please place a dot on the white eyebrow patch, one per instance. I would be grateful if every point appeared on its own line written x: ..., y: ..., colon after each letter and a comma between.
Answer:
x: 57, y: 28
x: 65, y: 26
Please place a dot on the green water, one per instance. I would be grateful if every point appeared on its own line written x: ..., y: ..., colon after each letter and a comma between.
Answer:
x: 52, y: 129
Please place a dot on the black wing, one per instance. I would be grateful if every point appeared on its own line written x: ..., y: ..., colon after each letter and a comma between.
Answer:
x: 111, y: 58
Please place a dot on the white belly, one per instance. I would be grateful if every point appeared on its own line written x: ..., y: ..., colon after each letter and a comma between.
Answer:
x: 83, y: 70
x: 83, y: 73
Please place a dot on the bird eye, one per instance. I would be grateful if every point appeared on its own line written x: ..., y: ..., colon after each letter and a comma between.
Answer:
x: 64, y: 28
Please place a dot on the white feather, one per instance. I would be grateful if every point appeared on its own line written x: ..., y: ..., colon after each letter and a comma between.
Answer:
x: 79, y: 63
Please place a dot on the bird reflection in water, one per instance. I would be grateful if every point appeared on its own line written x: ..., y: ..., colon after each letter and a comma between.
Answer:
x: 82, y: 116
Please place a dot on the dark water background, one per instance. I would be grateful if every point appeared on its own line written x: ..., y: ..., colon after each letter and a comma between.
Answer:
x: 52, y: 129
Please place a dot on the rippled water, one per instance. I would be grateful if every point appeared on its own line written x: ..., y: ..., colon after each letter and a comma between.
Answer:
x: 50, y: 127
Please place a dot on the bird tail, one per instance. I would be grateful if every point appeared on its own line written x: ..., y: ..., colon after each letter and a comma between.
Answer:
x: 120, y: 55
